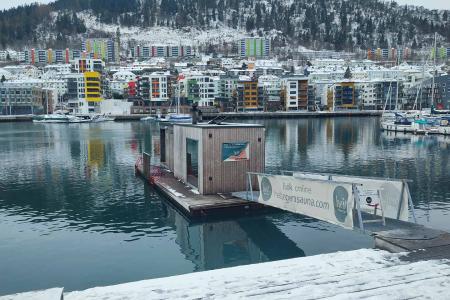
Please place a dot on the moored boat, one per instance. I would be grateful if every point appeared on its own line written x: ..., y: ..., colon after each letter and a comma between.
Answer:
x: 51, y: 118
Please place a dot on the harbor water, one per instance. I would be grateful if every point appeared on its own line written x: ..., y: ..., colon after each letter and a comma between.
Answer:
x: 74, y: 215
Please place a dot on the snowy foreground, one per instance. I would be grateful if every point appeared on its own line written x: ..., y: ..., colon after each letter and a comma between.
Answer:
x: 343, y: 275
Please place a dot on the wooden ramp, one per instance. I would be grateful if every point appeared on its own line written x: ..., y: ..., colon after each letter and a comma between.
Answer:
x: 395, y: 236
x: 421, y: 242
x: 368, y: 274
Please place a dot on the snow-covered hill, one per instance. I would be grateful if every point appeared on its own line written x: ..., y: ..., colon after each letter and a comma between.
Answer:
x: 320, y: 24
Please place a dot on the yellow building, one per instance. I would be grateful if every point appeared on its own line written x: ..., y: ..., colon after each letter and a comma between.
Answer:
x: 248, y: 94
x: 93, y: 89
x: 345, y: 95
x: 50, y: 56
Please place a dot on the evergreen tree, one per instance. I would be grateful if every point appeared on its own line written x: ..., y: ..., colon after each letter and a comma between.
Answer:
x: 348, y: 73
x: 3, y: 79
x: 322, y: 23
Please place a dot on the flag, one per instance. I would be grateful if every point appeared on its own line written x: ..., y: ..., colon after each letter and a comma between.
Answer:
x: 180, y: 77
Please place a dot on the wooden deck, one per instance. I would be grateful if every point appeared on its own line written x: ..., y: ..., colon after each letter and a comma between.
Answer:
x: 420, y: 242
x: 50, y: 294
x: 190, y: 203
x: 360, y: 274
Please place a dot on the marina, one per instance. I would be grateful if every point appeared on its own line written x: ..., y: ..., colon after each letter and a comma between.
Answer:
x: 199, y: 175
x: 151, y: 217
x: 195, y: 150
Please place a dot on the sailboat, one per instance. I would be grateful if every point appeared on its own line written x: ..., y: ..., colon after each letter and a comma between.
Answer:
x: 177, y: 117
x: 58, y: 116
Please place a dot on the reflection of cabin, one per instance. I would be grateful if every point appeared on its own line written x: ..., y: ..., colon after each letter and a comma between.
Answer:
x: 214, y: 158
x: 230, y: 243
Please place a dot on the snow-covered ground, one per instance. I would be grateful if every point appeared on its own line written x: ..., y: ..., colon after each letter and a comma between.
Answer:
x: 366, y: 273
x: 167, y: 36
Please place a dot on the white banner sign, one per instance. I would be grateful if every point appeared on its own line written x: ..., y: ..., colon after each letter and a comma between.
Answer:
x: 324, y: 200
x: 392, y: 194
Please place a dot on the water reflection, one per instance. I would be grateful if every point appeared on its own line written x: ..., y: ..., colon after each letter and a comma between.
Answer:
x: 231, y: 243
x: 68, y: 195
x: 356, y: 146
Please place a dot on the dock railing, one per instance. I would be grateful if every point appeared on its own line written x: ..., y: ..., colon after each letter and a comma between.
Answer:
x: 149, y: 171
x: 402, y: 185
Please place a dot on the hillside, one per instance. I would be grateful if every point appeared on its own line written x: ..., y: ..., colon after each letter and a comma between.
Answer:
x: 329, y: 24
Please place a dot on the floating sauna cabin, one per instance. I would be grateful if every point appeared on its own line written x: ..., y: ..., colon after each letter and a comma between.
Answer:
x: 214, y: 158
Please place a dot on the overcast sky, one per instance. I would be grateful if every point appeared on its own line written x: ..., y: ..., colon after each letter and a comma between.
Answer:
x: 443, y: 4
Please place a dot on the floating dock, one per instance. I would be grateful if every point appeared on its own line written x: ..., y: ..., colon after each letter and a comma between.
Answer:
x: 189, y: 202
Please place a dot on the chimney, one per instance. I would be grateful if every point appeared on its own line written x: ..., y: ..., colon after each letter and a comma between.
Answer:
x: 194, y: 111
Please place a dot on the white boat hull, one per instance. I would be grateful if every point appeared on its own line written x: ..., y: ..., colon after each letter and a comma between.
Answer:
x: 397, y: 127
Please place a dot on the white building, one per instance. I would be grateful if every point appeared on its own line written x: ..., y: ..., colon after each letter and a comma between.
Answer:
x: 296, y: 92
x: 117, y: 86
x: 201, y: 88
x: 124, y: 75
x: 115, y: 107
x: 158, y: 82
x: 7, y: 75
x: 21, y: 71
x: 368, y: 94
x: 89, y: 65
x: 59, y: 68
x: 76, y: 93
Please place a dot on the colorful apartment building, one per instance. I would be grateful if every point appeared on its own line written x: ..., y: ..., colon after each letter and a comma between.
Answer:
x: 149, y: 51
x: 345, y: 95
x: 89, y: 65
x: 48, y: 56
x: 84, y: 92
x: 154, y: 88
x: 389, y: 54
x: 105, y: 49
x: 255, y: 47
x: 93, y: 90
x: 247, y: 92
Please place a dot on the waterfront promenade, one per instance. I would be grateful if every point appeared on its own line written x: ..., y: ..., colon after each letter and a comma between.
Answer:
x: 365, y: 273
x: 237, y: 115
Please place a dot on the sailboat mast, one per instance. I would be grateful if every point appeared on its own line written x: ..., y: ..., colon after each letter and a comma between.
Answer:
x: 397, y: 88
x: 434, y: 69
x: 178, y: 101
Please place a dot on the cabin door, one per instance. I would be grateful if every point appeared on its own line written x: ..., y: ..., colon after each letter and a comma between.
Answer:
x: 192, y: 162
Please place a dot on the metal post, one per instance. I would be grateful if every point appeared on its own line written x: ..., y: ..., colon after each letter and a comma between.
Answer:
x: 400, y: 203
x: 251, y: 187
x: 246, y: 195
x: 358, y: 206
x: 411, y: 204
x: 381, y: 207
